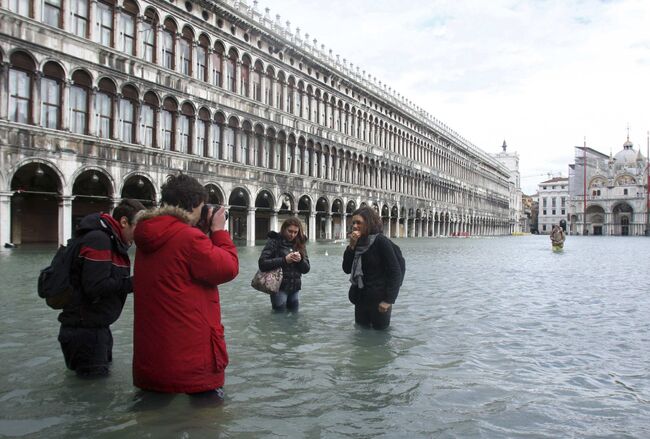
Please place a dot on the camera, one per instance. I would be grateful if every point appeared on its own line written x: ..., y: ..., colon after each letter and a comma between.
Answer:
x: 205, y: 221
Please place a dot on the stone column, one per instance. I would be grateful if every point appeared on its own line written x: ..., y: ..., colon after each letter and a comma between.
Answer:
x: 389, y: 226
x: 157, y: 140
x: 176, y: 142
x: 273, y: 223
x: 344, y: 227
x: 65, y: 19
x: 65, y: 99
x: 406, y: 226
x: 92, y: 114
x: 5, y: 217
x: 328, y: 226
x: 137, y: 132
x: 250, y: 227
x: 139, y: 35
x: 177, y: 52
x: 193, y: 141
x: 4, y: 96
x: 65, y: 219
x: 92, y: 20
x: 36, y: 98
x: 115, y: 120
x: 238, y: 88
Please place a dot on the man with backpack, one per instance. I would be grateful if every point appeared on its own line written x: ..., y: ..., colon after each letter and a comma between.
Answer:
x: 101, y: 279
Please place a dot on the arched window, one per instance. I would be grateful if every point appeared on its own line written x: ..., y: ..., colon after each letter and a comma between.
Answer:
x: 230, y: 137
x: 291, y: 91
x: 51, y: 95
x: 104, y: 25
x: 104, y: 108
x: 290, y: 155
x: 168, y: 124
x: 217, y: 136
x: 245, y: 76
x: 231, y: 79
x: 185, y: 48
x: 128, y: 14
x: 128, y: 104
x: 167, y: 44
x: 51, y: 12
x: 245, y: 143
x: 149, y: 30
x: 217, y: 61
x: 79, y: 95
x: 202, y: 58
x: 268, y: 86
x: 202, y: 127
x: 279, y: 146
x: 21, y: 75
x: 280, y: 84
x: 185, y: 128
x: 257, y: 81
x: 79, y: 18
x: 21, y: 7
x: 148, y: 119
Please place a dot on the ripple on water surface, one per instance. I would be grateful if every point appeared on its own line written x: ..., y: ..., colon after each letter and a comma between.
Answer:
x: 490, y: 338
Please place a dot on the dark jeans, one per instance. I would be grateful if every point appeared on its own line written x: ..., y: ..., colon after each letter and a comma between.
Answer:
x: 87, y: 351
x: 281, y: 301
x: 367, y: 314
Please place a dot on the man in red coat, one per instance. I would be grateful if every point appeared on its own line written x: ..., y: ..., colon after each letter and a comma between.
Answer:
x: 179, y: 344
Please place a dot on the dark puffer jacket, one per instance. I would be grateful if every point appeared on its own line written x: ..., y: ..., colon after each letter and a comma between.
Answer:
x: 273, y: 256
x: 101, y: 275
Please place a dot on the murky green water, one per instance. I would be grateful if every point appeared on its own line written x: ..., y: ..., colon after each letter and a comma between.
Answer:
x: 490, y: 338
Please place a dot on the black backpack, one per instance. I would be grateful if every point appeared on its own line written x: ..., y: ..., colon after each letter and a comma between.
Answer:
x: 401, y: 260
x: 54, y: 282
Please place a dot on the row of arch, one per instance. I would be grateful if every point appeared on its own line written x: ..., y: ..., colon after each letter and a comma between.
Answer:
x: 168, y: 42
x: 162, y: 121
x: 37, y: 186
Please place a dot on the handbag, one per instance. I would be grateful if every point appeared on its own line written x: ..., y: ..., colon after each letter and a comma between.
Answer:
x: 267, y: 281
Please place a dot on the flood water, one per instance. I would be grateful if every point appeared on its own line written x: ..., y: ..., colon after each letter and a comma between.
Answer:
x: 490, y: 337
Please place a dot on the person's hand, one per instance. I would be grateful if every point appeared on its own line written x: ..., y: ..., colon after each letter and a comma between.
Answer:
x: 354, y: 237
x: 384, y: 307
x: 218, y: 220
x: 293, y: 257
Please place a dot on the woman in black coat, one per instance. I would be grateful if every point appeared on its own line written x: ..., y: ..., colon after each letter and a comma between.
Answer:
x: 374, y: 270
x: 287, y: 250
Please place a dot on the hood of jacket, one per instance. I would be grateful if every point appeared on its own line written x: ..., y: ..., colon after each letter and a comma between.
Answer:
x: 105, y: 223
x: 157, y: 226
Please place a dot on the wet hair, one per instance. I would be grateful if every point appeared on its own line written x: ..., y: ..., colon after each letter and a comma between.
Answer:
x: 127, y: 208
x: 300, y: 239
x: 370, y: 216
x: 183, y: 191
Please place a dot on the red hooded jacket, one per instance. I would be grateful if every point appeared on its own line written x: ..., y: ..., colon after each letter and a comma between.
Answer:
x: 178, y: 340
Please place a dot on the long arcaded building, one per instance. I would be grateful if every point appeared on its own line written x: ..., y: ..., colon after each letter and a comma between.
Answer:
x: 103, y: 99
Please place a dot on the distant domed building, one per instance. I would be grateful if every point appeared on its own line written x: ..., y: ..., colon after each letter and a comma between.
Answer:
x: 616, y: 192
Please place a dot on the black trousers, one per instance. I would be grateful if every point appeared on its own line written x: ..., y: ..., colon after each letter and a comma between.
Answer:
x: 367, y: 314
x: 87, y: 351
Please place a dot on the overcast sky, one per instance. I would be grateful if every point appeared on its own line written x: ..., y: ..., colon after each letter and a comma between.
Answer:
x: 540, y: 74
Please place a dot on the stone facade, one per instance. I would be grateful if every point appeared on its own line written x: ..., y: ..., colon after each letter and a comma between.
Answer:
x: 553, y: 196
x: 511, y: 161
x: 103, y: 99
x: 616, y: 193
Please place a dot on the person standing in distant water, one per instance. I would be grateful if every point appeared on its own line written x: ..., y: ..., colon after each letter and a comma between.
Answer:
x: 287, y: 250
x: 374, y: 270
x: 557, y: 236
